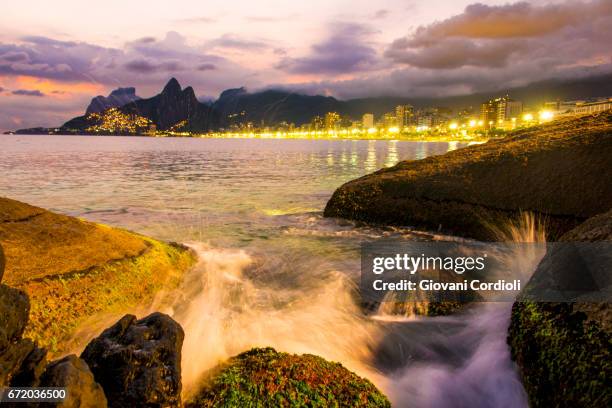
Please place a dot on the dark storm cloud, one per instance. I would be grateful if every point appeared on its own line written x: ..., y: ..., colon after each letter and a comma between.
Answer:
x: 416, y: 82
x: 457, y: 52
x: 496, y: 36
x: 28, y: 92
x: 512, y: 20
x: 345, y: 51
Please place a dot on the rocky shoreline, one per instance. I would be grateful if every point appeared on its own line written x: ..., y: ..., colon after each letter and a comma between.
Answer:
x: 561, y: 173
x: 135, y: 362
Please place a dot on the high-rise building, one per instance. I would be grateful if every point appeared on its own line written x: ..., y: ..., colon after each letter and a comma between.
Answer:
x: 317, y: 123
x: 390, y: 120
x: 496, y: 112
x: 404, y: 115
x: 367, y: 120
x: 332, y: 120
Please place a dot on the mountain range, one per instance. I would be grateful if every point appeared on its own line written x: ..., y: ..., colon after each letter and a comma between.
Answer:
x: 178, y: 109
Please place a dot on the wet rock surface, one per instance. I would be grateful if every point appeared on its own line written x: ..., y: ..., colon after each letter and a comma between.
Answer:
x: 564, y: 350
x: 137, y: 362
x: 560, y: 170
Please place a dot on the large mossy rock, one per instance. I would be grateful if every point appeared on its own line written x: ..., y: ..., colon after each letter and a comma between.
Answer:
x: 560, y: 170
x: 39, y: 243
x: 263, y: 377
x: 72, y: 269
x: 564, y: 350
x: 138, y: 362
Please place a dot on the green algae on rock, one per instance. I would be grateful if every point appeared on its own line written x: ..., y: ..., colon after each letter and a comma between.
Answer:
x: 263, y: 377
x: 560, y: 171
x: 564, y: 350
x: 72, y: 269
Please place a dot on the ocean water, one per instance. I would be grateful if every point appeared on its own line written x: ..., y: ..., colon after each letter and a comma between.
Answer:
x: 272, y: 270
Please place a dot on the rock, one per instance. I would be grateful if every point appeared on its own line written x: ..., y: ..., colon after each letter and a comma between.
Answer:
x: 263, y: 377
x: 73, y: 374
x: 560, y: 170
x: 32, y: 367
x: 138, y: 362
x: 36, y: 243
x: 564, y: 350
x: 14, y: 309
x: 2, y: 262
x: 73, y: 269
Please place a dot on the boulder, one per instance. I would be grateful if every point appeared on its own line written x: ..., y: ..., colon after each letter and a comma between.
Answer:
x: 263, y: 377
x: 73, y: 270
x: 73, y: 374
x: 559, y: 170
x: 14, y: 309
x: 138, y: 362
x: 2, y: 262
x: 31, y: 368
x: 564, y: 350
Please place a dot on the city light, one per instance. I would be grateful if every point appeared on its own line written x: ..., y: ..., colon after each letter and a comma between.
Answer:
x: 472, y: 123
x: 452, y: 126
x: 546, y: 115
x: 527, y: 117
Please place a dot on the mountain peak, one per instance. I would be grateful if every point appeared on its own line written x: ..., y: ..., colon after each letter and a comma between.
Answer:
x: 233, y: 93
x: 116, y: 99
x: 172, y: 87
x: 129, y: 91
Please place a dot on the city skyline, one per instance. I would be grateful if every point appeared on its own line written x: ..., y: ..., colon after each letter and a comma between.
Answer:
x: 348, y: 49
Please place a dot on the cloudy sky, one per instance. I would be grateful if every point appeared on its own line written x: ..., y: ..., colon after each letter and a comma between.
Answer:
x: 56, y: 55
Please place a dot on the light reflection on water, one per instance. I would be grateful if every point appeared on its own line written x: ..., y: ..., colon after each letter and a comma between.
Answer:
x: 253, y: 208
x: 232, y: 189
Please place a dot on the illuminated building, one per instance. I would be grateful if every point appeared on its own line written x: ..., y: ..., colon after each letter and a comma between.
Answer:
x: 114, y: 121
x: 317, y: 123
x: 593, y: 107
x: 332, y: 120
x: 496, y: 112
x: 403, y: 115
x: 389, y: 120
x: 367, y: 121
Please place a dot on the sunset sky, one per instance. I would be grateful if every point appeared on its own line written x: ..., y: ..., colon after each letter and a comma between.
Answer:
x: 56, y: 55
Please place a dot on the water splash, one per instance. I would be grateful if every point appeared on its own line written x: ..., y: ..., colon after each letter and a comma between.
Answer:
x: 484, y: 376
x: 232, y: 304
x: 234, y: 300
